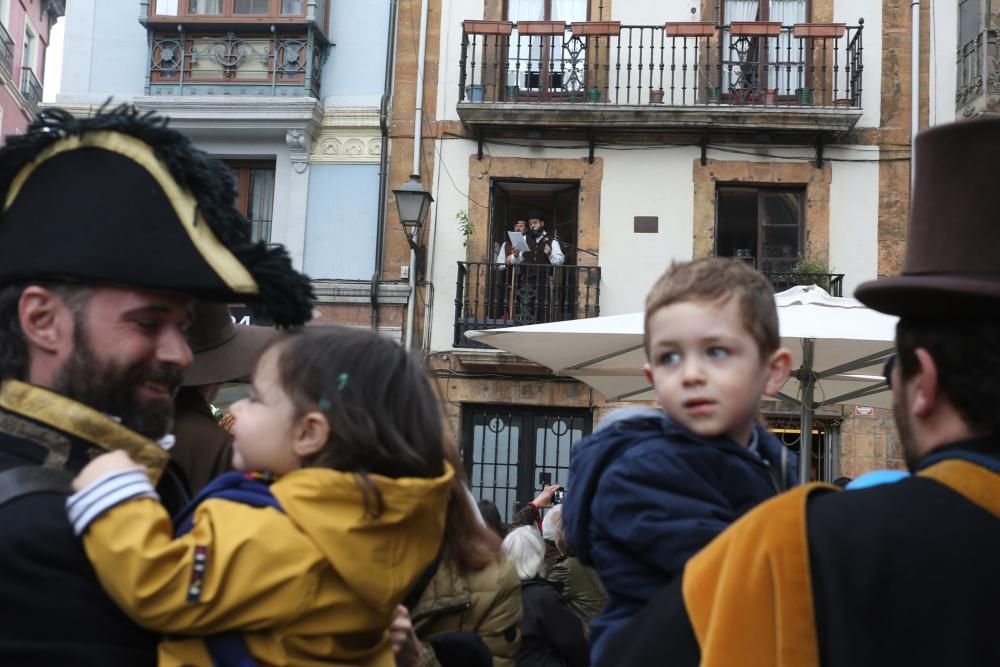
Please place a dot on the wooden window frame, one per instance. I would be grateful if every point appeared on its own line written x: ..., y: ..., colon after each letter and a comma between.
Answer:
x: 228, y: 14
x: 799, y: 190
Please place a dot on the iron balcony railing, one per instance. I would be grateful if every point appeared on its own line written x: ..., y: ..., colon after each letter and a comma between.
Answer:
x: 681, y: 64
x: 978, y: 68
x: 491, y: 296
x: 30, y: 87
x: 6, y: 49
x: 833, y: 283
x: 257, y: 63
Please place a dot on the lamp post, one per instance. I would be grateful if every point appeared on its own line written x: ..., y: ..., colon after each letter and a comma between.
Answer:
x: 412, y: 203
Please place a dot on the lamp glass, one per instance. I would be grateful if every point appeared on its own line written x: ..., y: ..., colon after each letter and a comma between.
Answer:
x: 412, y: 202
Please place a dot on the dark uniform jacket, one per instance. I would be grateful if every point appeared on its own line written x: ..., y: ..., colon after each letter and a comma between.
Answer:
x: 899, y: 574
x: 551, y: 635
x: 53, y: 611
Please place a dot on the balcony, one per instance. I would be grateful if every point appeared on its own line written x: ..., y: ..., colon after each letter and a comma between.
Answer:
x: 491, y: 296
x: 745, y: 76
x: 31, y: 89
x: 248, y: 62
x: 6, y: 49
x: 977, y: 89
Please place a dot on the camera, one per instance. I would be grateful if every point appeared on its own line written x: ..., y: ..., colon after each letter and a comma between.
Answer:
x: 558, y: 496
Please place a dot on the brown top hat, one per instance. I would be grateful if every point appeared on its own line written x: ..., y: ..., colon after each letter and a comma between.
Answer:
x: 952, y: 265
x: 223, y: 352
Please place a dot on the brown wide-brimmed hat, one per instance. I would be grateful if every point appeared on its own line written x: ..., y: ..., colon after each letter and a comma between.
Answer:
x: 952, y: 265
x: 223, y: 351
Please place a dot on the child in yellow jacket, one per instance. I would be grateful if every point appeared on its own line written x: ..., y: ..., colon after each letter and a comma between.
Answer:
x: 308, y: 569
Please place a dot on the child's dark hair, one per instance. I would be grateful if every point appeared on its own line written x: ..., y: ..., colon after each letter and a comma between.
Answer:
x: 384, y: 417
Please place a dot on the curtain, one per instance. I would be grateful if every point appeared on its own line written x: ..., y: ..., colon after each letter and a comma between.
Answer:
x: 741, y: 10
x: 524, y: 53
x: 569, y: 10
x: 740, y: 54
x: 783, y: 72
x: 261, y: 203
x: 291, y: 7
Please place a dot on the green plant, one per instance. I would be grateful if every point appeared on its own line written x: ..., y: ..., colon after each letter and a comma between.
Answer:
x: 465, y: 227
x: 810, y: 266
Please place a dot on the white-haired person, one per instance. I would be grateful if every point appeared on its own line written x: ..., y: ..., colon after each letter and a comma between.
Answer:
x: 579, y: 585
x: 551, y: 635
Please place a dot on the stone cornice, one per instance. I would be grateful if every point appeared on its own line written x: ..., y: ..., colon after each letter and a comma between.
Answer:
x: 237, y: 113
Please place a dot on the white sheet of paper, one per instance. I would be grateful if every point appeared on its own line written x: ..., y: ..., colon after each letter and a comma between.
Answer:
x: 517, y: 240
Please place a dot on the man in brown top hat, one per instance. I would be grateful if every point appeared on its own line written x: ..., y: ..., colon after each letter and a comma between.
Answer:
x: 223, y: 352
x: 903, y: 573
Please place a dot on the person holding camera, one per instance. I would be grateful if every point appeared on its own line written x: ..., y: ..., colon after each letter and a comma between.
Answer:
x: 531, y: 515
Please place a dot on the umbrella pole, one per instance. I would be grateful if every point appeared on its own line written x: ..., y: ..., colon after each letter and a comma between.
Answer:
x: 807, y: 380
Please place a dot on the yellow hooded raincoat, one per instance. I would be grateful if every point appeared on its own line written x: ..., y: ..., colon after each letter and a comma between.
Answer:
x: 315, y: 585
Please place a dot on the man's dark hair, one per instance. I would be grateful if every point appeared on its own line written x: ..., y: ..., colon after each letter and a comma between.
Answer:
x: 13, y: 347
x: 967, y: 355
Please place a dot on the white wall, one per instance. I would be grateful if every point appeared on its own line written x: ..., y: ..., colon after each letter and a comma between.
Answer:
x: 854, y: 222
x: 849, y: 11
x: 943, y: 65
x: 656, y: 182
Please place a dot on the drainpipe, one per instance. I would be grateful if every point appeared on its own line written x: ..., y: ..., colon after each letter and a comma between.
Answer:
x: 915, y: 89
x: 418, y: 118
x: 383, y: 168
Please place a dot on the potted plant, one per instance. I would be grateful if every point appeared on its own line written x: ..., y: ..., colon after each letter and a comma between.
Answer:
x: 511, y: 90
x: 804, y: 96
x: 465, y: 227
x: 475, y: 92
x: 656, y: 96
x: 810, y: 271
x: 593, y: 94
x: 712, y: 93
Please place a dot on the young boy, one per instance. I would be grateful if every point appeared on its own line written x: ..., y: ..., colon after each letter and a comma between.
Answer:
x: 648, y: 490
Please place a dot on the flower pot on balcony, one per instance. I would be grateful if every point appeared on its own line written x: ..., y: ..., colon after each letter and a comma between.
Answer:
x: 804, y: 96
x: 510, y: 92
x: 656, y: 96
x: 475, y: 93
x: 712, y: 95
x: 594, y: 94
x: 771, y: 97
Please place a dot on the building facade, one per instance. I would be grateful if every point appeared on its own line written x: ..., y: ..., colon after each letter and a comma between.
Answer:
x: 775, y: 131
x: 24, y: 38
x: 290, y: 93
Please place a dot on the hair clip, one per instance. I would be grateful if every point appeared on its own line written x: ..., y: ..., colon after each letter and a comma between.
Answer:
x: 342, y: 381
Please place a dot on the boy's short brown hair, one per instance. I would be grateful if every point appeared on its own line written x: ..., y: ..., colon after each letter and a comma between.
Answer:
x: 716, y: 280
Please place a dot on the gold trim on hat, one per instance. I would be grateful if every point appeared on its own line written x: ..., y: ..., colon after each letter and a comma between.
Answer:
x: 77, y: 419
x: 222, y: 261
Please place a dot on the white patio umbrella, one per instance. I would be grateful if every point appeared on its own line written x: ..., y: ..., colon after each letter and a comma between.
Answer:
x: 838, y: 346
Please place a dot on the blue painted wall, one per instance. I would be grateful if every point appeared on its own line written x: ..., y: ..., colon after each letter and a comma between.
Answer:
x: 354, y: 74
x: 340, y: 221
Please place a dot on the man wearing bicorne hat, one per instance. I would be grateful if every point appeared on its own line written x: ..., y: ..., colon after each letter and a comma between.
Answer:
x: 110, y: 227
x: 896, y: 574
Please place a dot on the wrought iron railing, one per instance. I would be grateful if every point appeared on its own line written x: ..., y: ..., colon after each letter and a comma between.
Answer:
x: 978, y: 68
x: 30, y: 87
x: 6, y: 49
x: 491, y: 296
x: 680, y: 64
x: 833, y: 283
x: 254, y: 60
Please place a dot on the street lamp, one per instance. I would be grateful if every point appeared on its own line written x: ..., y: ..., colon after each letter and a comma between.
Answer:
x: 412, y: 202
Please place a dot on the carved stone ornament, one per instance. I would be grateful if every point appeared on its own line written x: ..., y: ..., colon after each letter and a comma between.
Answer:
x: 298, y: 149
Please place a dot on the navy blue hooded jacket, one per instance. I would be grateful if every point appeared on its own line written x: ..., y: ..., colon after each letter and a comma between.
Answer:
x: 646, y: 494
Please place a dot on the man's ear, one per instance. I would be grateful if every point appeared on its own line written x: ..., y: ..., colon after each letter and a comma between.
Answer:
x: 779, y: 365
x: 46, y: 321
x: 311, y: 434
x: 925, y: 391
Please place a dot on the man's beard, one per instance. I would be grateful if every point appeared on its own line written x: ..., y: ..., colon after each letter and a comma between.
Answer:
x: 114, y: 390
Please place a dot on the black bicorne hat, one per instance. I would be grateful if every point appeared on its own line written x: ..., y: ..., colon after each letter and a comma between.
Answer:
x: 119, y: 198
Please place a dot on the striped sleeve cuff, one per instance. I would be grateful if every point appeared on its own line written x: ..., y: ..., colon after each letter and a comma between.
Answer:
x: 99, y: 496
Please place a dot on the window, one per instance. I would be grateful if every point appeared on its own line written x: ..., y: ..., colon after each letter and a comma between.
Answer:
x: 28, y: 50
x: 251, y: 7
x: 968, y: 21
x: 511, y: 453
x: 255, y: 198
x: 760, y: 226
x: 165, y: 8
x: 291, y: 7
x: 205, y: 6
x: 749, y: 60
x: 541, y: 63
